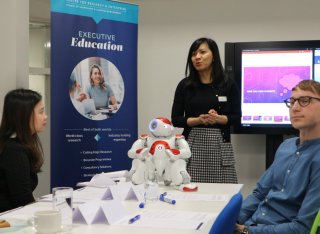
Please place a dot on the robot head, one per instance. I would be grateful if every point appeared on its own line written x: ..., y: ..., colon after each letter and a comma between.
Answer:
x: 161, y: 127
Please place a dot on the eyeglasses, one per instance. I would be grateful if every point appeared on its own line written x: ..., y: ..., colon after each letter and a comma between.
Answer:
x: 303, y: 101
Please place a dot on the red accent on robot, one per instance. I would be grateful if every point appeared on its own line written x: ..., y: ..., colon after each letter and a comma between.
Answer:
x: 165, y: 120
x: 138, y: 151
x: 175, y: 151
x: 156, y: 143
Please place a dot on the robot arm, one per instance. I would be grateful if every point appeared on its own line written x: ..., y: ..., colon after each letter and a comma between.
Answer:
x: 182, y: 151
x: 138, y: 149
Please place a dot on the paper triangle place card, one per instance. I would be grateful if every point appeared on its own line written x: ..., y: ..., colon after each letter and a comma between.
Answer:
x: 113, y: 211
x: 107, y: 195
x: 86, y: 212
x: 120, y: 191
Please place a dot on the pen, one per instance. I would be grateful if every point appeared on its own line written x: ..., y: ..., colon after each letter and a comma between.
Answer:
x: 199, y: 226
x: 167, y: 200
x: 135, y: 218
x: 163, y: 194
x: 141, y: 205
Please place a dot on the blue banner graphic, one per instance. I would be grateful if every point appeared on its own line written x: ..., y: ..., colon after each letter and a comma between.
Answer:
x: 93, y: 88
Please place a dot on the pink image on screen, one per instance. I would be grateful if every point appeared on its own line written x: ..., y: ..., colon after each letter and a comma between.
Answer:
x: 247, y: 117
x: 257, y: 118
x: 290, y: 80
x: 278, y: 118
x: 267, y: 118
x: 271, y: 84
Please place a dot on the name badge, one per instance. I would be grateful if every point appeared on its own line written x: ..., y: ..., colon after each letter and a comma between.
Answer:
x: 222, y: 98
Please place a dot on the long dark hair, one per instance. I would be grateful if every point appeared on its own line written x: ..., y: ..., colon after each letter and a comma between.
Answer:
x: 217, y: 74
x: 18, y: 111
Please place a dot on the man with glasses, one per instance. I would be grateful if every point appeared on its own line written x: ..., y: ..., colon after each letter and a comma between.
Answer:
x: 287, y: 196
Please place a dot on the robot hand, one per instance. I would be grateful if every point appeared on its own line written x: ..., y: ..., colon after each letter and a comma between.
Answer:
x: 143, y: 154
x: 173, y: 154
x: 183, y: 146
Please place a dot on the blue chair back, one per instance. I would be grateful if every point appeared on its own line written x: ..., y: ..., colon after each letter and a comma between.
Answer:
x: 226, y: 220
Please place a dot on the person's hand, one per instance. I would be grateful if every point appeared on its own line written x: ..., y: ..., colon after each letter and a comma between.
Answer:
x: 113, y: 107
x: 82, y: 96
x: 204, y: 119
x: 212, y: 111
x: 239, y: 228
x: 215, y: 118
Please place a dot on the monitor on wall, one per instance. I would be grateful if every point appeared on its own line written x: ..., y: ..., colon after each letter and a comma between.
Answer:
x: 265, y: 73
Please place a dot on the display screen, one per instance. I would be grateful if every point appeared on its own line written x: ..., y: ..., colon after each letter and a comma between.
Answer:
x: 266, y: 72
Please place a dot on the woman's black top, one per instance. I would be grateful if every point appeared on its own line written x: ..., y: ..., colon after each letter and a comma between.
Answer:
x: 17, y: 179
x: 193, y: 101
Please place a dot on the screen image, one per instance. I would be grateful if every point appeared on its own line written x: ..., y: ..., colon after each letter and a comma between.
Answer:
x: 267, y: 80
x: 266, y: 72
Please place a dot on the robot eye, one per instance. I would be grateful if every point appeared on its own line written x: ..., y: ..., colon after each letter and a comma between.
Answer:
x: 153, y: 125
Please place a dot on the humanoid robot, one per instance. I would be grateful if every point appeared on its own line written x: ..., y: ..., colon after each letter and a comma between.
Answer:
x: 162, y: 154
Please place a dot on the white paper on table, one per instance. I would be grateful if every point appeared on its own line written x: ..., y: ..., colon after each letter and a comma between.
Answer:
x: 120, y: 191
x: 89, y: 193
x: 139, y: 190
x: 117, y: 174
x: 85, y: 213
x: 107, y: 195
x: 171, y: 219
x: 113, y: 211
x: 198, y: 197
x: 77, y: 196
x: 99, y: 212
x: 124, y: 191
x: 103, y: 180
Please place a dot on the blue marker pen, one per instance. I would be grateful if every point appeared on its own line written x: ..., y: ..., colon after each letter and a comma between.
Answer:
x: 135, y: 218
x: 167, y: 200
x: 163, y: 194
x: 141, y: 205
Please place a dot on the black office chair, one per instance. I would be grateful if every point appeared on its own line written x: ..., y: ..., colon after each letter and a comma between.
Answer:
x: 226, y: 220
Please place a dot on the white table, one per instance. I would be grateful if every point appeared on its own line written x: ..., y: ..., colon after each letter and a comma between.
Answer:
x: 131, y: 207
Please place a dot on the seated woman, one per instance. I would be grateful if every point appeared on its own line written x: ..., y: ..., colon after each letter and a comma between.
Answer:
x: 21, y: 154
x: 101, y: 93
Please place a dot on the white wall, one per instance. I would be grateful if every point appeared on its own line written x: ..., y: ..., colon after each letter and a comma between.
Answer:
x: 14, y: 42
x: 168, y: 27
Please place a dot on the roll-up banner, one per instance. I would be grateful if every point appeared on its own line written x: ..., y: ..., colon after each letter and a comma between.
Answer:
x: 93, y: 88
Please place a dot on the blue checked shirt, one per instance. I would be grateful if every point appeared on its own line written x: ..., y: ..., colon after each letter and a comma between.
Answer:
x: 287, y: 196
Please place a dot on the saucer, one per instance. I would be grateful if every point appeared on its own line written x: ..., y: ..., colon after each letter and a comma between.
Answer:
x: 15, y: 225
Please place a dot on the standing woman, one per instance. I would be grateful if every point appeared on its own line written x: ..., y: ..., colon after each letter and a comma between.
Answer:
x: 21, y: 154
x: 206, y: 103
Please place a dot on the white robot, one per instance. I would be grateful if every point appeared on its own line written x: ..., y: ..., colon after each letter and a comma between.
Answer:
x: 162, y: 154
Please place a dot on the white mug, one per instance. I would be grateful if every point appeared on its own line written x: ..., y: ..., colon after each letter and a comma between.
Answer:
x: 47, y: 221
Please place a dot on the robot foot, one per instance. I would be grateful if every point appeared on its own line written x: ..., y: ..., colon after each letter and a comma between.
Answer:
x: 129, y: 175
x: 188, y: 187
x: 167, y: 182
